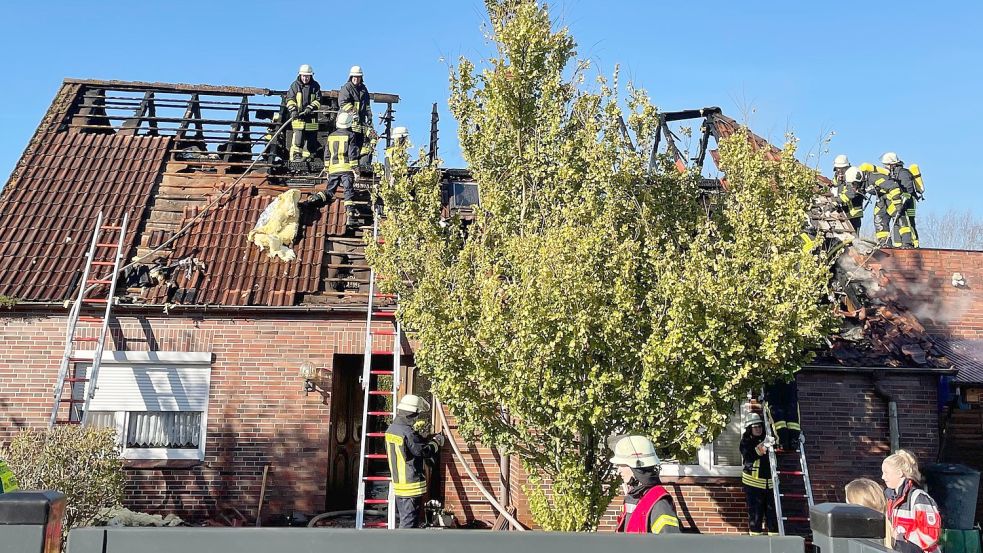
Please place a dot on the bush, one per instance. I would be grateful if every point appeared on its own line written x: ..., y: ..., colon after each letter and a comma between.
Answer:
x: 82, y: 463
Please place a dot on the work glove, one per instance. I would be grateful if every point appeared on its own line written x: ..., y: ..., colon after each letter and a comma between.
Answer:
x: 293, y: 112
x: 769, y: 442
x: 438, y: 439
x: 307, y: 111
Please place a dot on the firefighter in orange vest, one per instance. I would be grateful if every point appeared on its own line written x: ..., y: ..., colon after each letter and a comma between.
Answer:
x: 648, y: 507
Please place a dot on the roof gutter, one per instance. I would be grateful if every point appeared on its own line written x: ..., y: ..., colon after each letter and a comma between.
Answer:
x: 159, y: 308
x: 882, y: 370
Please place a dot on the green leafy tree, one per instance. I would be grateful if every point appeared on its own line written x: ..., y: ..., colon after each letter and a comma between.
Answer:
x: 83, y: 463
x: 591, y: 295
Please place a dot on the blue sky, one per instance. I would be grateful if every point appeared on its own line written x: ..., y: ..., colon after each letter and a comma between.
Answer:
x: 900, y: 76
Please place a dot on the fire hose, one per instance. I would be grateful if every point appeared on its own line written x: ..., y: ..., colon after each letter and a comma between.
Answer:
x: 474, y: 477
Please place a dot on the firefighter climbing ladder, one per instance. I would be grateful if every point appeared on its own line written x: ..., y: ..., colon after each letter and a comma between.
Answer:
x: 82, y: 388
x: 784, y: 498
x: 372, y: 387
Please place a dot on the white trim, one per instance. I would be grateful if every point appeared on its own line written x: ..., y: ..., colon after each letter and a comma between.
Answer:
x: 152, y: 357
x: 162, y: 453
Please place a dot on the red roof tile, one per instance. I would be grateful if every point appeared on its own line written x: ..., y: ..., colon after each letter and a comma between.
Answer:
x: 48, y: 212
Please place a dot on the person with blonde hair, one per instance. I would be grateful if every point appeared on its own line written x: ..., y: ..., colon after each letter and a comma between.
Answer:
x: 866, y: 492
x: 914, y: 517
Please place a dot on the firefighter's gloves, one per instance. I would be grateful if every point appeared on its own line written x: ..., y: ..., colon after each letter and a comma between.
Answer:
x: 307, y: 111
x: 438, y: 439
x: 769, y: 442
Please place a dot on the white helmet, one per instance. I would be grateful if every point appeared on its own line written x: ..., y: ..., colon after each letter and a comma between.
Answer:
x: 305, y: 70
x: 841, y: 161
x: 890, y: 158
x: 753, y: 419
x: 400, y: 132
x: 355, y: 71
x: 344, y: 120
x: 853, y: 175
x: 413, y: 404
x: 635, y: 452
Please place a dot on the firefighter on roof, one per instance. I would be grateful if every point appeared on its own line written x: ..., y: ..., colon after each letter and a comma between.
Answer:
x: 339, y: 153
x: 303, y: 100
x: 889, y: 217
x: 406, y: 451
x: 354, y: 98
x: 648, y: 507
x: 850, y: 192
x: 756, y: 477
x: 911, y: 190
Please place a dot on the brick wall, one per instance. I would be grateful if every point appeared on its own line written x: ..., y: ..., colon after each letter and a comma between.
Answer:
x: 847, y: 438
x: 258, y: 413
x: 923, y: 281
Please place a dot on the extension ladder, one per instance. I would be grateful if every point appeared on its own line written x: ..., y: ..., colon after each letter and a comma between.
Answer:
x: 373, y: 466
x: 789, y: 501
x: 80, y: 387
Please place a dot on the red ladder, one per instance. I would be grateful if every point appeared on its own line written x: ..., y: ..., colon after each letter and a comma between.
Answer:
x: 80, y: 384
x: 373, y: 466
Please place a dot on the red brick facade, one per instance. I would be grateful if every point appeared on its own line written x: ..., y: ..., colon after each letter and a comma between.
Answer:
x: 922, y: 280
x: 258, y: 412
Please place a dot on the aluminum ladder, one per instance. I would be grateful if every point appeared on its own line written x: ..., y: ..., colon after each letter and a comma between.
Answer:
x: 371, y: 456
x: 82, y: 388
x: 793, y: 498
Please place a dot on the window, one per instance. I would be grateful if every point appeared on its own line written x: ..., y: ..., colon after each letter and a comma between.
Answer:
x: 463, y: 195
x: 156, y: 401
x: 721, y: 457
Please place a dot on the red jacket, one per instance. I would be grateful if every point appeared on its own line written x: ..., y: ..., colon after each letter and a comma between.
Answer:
x: 915, y: 518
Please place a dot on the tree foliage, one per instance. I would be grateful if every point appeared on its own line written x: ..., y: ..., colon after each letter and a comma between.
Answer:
x: 81, y: 462
x: 592, y: 295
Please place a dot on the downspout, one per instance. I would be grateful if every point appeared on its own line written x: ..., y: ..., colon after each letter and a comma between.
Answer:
x: 892, y: 411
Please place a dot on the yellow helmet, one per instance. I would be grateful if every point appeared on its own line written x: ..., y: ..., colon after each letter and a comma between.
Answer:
x: 635, y: 452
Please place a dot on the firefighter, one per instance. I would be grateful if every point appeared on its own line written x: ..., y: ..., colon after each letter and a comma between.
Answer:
x: 840, y: 164
x: 340, y: 153
x: 910, y: 192
x: 782, y: 402
x: 303, y: 100
x: 851, y: 194
x: 648, y: 507
x: 400, y: 138
x: 913, y: 515
x: 756, y: 477
x: 406, y: 451
x: 888, y: 212
x: 7, y: 481
x: 354, y: 98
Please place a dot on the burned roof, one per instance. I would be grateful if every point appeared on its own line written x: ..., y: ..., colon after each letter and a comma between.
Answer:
x: 191, y: 166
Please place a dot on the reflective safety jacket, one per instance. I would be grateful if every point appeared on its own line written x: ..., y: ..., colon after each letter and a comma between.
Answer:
x: 851, y: 196
x: 648, y: 511
x: 757, y: 467
x: 914, y: 518
x: 406, y: 450
x: 301, y: 96
x: 341, y: 152
x: 355, y: 100
x: 905, y: 179
x: 888, y: 190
